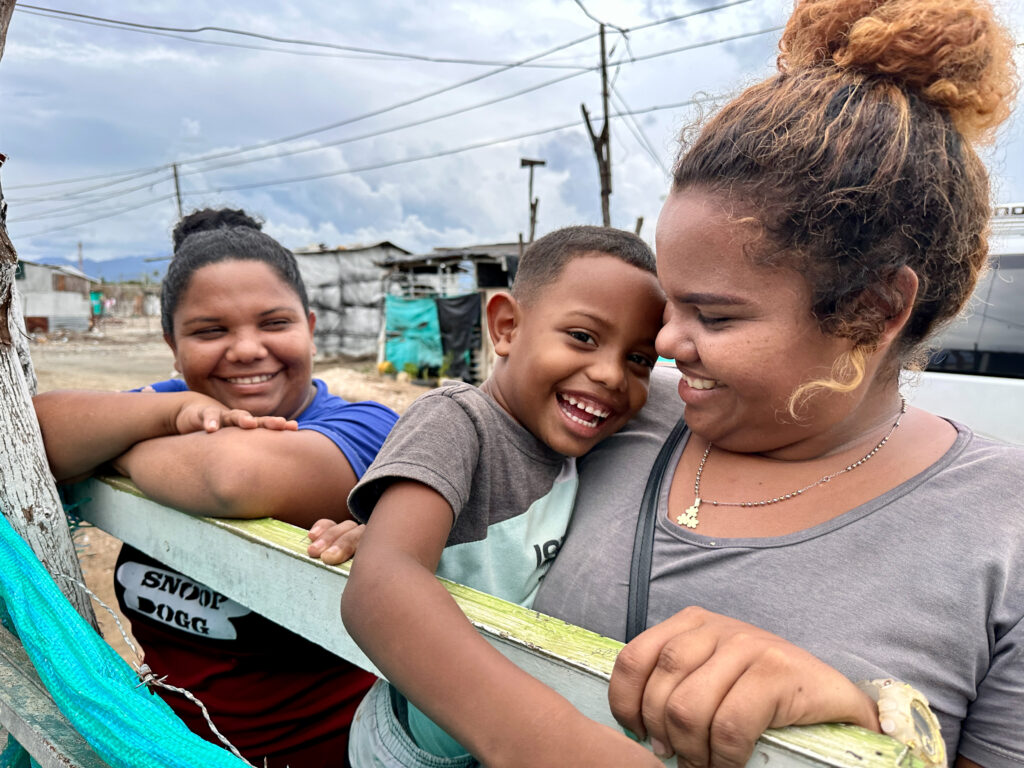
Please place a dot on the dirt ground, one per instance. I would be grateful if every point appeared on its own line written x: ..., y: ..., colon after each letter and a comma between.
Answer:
x: 128, y: 353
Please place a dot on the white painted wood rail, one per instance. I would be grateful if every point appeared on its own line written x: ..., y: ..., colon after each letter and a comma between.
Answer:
x: 262, y: 564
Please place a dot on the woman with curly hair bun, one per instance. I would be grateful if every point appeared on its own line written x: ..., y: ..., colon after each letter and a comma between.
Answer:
x: 807, y: 529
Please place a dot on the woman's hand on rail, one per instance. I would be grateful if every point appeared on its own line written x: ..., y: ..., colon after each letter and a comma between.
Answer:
x: 334, y: 543
x: 705, y: 686
x: 204, y: 414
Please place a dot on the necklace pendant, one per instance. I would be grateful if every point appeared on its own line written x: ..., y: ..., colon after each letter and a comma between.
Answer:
x: 689, y: 517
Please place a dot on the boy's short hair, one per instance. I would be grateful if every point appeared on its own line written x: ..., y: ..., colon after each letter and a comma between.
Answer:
x: 545, y: 258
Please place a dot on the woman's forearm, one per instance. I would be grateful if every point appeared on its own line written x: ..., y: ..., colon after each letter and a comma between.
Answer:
x: 83, y: 429
x: 297, y: 477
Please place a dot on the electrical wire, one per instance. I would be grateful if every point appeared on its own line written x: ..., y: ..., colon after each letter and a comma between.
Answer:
x: 593, y: 18
x: 135, y: 26
x: 86, y: 202
x: 301, y: 150
x: 392, y: 129
x: 371, y: 167
x: 97, y: 217
x: 116, y: 178
x: 357, y: 118
x: 374, y: 134
x: 91, y: 193
x: 431, y: 94
x: 706, y: 43
x: 366, y: 55
x: 638, y: 131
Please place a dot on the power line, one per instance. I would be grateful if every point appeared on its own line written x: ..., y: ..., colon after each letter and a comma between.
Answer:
x: 220, y: 43
x: 371, y: 167
x: 682, y: 16
x: 93, y: 218
x: 638, y: 132
x: 117, y: 178
x: 423, y: 97
x: 367, y: 115
x: 596, y: 20
x: 706, y: 43
x: 130, y: 26
x: 394, y: 128
x: 297, y: 151
x: 434, y: 118
x: 302, y: 150
x: 81, y: 194
x: 86, y: 202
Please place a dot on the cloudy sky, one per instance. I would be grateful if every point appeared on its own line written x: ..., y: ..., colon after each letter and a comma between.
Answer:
x: 336, y: 143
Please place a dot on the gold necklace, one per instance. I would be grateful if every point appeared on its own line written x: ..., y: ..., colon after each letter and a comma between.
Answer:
x: 689, y: 517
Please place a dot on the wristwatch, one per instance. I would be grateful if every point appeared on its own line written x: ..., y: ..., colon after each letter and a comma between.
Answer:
x: 904, y: 714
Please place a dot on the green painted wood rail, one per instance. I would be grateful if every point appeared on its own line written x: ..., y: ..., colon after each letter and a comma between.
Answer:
x: 263, y: 565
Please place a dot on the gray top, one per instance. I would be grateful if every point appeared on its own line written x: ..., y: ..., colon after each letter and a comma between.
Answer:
x: 511, y: 496
x: 460, y: 442
x: 925, y: 583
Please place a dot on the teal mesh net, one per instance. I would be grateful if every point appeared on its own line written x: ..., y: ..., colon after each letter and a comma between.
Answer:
x: 95, y: 689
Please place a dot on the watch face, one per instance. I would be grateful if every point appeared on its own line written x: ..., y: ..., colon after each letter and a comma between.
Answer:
x: 927, y: 729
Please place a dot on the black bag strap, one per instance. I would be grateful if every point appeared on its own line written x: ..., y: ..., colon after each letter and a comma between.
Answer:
x: 643, y: 539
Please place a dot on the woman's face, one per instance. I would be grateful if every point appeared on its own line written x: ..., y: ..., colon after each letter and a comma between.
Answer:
x: 742, y: 334
x: 242, y: 337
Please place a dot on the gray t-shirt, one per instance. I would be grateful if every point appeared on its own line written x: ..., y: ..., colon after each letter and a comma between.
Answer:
x: 924, y: 584
x: 511, y: 496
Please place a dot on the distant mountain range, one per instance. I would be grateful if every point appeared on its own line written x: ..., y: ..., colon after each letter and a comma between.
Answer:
x: 115, y: 270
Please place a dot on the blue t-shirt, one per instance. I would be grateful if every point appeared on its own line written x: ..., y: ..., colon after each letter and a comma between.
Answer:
x: 268, y: 689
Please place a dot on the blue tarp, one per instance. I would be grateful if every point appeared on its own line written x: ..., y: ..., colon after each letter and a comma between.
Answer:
x: 412, y: 332
x: 127, y: 726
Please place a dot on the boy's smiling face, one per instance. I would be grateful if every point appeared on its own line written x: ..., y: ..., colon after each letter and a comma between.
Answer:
x: 577, y: 358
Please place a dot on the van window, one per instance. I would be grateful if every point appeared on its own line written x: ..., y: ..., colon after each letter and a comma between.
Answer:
x: 989, y: 340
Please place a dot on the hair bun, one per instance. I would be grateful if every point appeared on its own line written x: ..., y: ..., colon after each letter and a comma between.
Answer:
x: 953, y: 52
x: 212, y: 218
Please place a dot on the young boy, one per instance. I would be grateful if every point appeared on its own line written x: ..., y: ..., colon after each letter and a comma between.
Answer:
x: 477, y: 485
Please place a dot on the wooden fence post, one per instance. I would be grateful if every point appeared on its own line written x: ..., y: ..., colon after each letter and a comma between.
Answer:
x: 28, y: 496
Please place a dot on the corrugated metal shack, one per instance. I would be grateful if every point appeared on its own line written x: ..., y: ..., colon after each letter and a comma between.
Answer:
x: 346, y: 291
x: 54, y: 297
x: 433, y: 316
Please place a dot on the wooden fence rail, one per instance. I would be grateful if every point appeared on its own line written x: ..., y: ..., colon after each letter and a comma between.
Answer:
x: 263, y: 565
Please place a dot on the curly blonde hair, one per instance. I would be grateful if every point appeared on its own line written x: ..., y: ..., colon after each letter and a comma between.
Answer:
x: 857, y: 158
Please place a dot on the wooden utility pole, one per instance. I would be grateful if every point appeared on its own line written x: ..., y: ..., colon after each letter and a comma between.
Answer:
x: 28, y: 496
x: 177, y: 191
x: 534, y: 201
x: 601, y: 142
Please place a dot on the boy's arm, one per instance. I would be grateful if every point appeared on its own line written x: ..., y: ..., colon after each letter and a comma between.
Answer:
x: 414, y: 632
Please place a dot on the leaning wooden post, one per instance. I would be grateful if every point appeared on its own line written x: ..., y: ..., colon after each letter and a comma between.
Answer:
x: 28, y: 496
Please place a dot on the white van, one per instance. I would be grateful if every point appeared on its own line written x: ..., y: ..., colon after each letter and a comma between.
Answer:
x: 977, y: 375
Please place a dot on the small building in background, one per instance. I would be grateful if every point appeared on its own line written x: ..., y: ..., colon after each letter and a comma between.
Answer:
x: 54, y: 297
x: 434, y: 321
x: 345, y: 286
x: 131, y: 298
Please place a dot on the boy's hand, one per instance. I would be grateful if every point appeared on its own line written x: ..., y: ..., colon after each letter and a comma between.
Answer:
x: 334, y: 543
x: 204, y: 414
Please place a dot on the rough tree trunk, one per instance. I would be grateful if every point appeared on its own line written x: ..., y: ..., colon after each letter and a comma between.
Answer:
x: 28, y: 496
